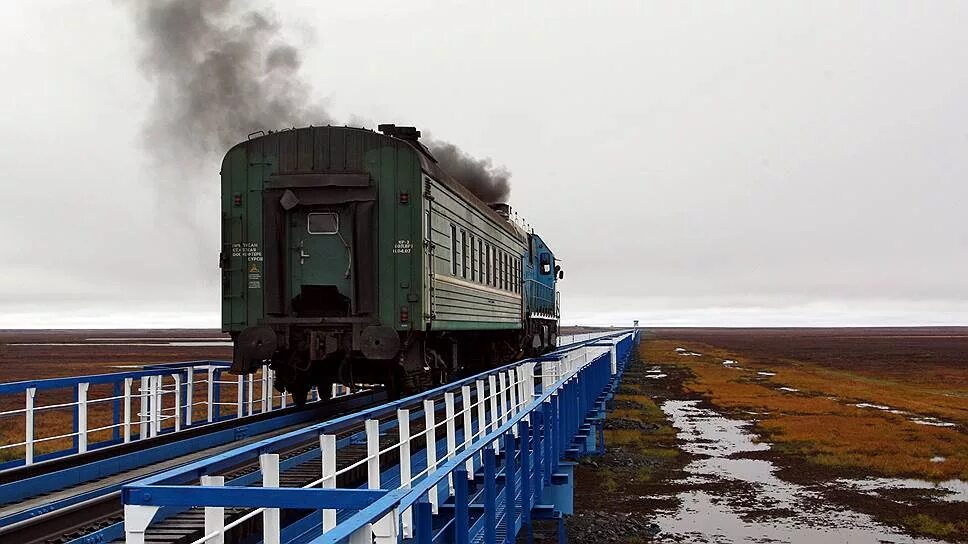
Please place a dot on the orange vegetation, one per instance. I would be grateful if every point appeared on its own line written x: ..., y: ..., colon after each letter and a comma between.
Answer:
x: 820, y: 421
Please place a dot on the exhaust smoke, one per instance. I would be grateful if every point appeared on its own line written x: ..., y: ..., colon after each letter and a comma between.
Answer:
x: 222, y: 70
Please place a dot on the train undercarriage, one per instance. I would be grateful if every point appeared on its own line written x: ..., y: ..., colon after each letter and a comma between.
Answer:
x: 306, y: 357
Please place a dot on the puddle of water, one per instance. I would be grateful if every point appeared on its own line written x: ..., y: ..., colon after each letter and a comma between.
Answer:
x: 877, y: 406
x: 933, y: 421
x: 948, y: 491
x: 656, y: 376
x: 758, y: 506
x: 728, y: 362
x: 767, y: 373
x: 938, y: 459
x: 788, y: 389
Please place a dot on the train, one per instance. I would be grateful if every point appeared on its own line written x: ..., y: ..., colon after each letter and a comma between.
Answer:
x: 350, y: 256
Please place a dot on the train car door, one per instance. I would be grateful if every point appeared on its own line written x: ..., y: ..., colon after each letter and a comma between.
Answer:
x: 320, y: 260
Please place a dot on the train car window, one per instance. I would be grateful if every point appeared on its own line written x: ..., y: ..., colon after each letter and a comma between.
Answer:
x: 453, y: 250
x: 480, y: 259
x: 473, y: 260
x: 514, y: 276
x: 545, y: 263
x: 487, y: 264
x: 504, y: 271
x: 463, y: 253
x: 322, y: 223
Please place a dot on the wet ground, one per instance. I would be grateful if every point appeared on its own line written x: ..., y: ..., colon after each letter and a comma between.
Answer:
x: 727, y: 496
x: 724, y: 484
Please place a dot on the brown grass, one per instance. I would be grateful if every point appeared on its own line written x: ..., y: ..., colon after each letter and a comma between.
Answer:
x: 830, y: 432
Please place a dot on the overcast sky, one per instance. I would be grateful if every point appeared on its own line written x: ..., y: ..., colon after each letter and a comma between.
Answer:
x: 732, y: 163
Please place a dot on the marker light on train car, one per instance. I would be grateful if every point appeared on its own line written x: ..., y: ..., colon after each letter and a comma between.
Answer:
x: 404, y: 198
x: 404, y: 314
x: 237, y: 199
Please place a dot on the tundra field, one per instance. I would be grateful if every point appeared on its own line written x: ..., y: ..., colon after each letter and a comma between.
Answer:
x: 717, y: 435
x: 788, y: 435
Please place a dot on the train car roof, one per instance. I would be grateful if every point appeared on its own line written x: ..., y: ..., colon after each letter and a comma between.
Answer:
x: 410, y: 137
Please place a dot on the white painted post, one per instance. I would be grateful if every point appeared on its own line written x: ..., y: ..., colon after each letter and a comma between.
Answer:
x: 481, y: 410
x: 327, y: 449
x: 154, y: 408
x: 465, y: 399
x: 251, y: 403
x: 282, y: 400
x: 239, y: 396
x: 335, y: 392
x: 373, y: 453
x: 431, y: 439
x: 82, y: 416
x: 403, y: 424
x: 214, y: 515
x: 481, y: 416
x: 363, y: 535
x: 492, y: 390
x: 513, y: 392
x: 143, y: 410
x: 189, y: 396
x: 614, y: 356
x: 386, y: 530
x: 127, y: 410
x: 137, y: 517
x: 31, y: 393
x: 451, y: 435
x: 269, y: 462
x: 211, y: 393
x: 178, y: 400
x: 265, y: 390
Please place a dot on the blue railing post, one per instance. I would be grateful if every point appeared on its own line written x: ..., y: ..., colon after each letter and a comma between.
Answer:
x: 510, y: 472
x: 462, y: 506
x: 490, y: 496
x: 546, y: 439
x: 555, y: 434
x: 424, y: 522
x: 527, y: 478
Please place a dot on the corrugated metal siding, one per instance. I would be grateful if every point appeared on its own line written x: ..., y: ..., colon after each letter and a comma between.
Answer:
x: 464, y: 302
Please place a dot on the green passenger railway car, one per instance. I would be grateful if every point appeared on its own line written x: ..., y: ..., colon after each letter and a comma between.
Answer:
x: 350, y: 256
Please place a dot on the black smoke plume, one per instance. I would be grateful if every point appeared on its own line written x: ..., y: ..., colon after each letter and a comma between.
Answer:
x: 219, y: 72
x: 222, y: 70
x: 488, y: 182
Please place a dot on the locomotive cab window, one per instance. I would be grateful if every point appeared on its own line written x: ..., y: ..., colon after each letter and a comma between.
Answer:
x: 322, y: 223
x: 545, y: 263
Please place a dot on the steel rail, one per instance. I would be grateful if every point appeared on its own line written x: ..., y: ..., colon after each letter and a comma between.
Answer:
x: 87, y: 516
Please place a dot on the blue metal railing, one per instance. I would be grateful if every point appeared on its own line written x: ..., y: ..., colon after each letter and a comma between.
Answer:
x: 501, y: 466
x: 158, y: 399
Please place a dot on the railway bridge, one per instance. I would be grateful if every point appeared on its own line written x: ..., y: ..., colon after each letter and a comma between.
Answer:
x: 188, y: 454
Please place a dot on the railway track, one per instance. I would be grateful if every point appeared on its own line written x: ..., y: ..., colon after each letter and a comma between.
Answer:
x: 188, y: 526
x: 80, y: 521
